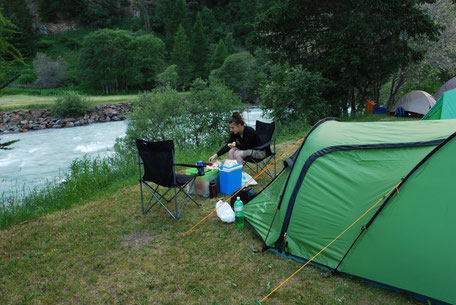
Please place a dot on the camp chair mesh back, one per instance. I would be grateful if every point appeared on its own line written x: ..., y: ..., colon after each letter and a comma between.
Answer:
x: 157, y: 159
x: 265, y: 132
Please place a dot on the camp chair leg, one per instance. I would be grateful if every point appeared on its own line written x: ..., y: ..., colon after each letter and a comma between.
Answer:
x: 261, y: 165
x: 157, y: 199
x: 152, y: 191
x: 175, y: 202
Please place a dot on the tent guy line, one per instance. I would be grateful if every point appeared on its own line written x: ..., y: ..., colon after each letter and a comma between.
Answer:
x: 395, y: 188
x: 253, y: 178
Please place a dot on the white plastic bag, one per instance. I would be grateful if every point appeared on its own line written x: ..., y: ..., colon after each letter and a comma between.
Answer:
x: 246, y: 178
x: 225, y: 212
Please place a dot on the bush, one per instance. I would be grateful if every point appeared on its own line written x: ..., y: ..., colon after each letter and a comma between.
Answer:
x: 26, y: 78
x: 239, y: 72
x: 169, y: 77
x: 50, y: 73
x: 70, y: 104
x: 195, y: 119
x: 294, y: 94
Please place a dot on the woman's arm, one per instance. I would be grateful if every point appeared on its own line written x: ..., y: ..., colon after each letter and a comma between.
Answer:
x: 224, y: 149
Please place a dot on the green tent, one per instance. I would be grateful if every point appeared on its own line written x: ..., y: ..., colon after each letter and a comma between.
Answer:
x: 445, y: 108
x: 343, y: 169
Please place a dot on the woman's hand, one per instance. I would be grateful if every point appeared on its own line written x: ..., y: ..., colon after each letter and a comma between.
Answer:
x: 213, y: 157
x: 232, y: 145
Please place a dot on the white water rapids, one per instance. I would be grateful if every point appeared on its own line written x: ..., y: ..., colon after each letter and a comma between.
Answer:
x: 45, y: 155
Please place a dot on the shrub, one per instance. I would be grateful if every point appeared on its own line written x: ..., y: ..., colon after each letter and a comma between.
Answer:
x: 169, y: 77
x: 239, y: 72
x: 196, y: 119
x: 209, y: 108
x: 50, y: 73
x: 294, y: 94
x: 70, y: 104
x: 26, y: 78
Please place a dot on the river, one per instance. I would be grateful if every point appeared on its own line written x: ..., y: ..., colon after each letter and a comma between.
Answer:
x: 44, y: 155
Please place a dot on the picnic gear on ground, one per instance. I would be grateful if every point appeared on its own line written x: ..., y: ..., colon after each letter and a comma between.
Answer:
x: 213, y: 190
x: 247, y: 179
x: 379, y: 110
x: 230, y: 178
x: 369, y: 107
x: 224, y: 211
x: 246, y: 194
x: 340, y: 171
x: 239, y: 212
x: 445, y: 108
x: 201, y: 184
x: 265, y: 132
x: 157, y: 158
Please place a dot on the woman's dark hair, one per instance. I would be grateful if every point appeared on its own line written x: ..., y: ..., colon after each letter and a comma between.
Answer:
x: 236, y: 118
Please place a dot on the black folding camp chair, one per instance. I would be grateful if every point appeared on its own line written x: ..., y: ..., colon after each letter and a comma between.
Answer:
x: 265, y: 132
x: 157, y: 159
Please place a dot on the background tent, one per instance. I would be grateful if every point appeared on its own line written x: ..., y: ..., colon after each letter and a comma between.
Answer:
x: 445, y: 108
x: 449, y: 85
x: 338, y: 173
x: 417, y: 103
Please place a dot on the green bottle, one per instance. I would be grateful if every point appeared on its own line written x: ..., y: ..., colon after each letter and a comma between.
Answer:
x: 239, y: 213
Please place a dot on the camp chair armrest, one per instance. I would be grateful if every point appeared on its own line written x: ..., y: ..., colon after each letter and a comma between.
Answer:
x: 190, y: 165
x: 265, y: 144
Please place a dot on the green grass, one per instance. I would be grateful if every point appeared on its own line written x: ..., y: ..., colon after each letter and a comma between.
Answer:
x: 103, y: 251
x: 86, y: 241
x: 15, y: 102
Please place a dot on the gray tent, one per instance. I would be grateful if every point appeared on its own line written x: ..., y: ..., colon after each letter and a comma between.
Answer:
x: 417, y: 102
x: 449, y: 85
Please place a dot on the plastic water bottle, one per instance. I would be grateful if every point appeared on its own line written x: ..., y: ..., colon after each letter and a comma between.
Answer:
x: 239, y: 213
x: 200, y: 170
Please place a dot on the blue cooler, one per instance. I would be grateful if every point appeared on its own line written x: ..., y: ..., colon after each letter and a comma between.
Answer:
x: 230, y: 179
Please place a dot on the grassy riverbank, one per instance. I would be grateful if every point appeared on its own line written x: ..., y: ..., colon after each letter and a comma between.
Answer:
x: 27, y: 102
x: 103, y: 251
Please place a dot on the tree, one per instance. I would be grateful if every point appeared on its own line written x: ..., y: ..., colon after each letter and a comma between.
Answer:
x: 199, y: 50
x: 439, y: 62
x: 8, y: 55
x: 356, y: 45
x: 219, y: 55
x: 239, y: 73
x: 18, y: 13
x: 176, y: 15
x: 293, y: 94
x: 147, y: 56
x: 50, y: 73
x: 229, y: 43
x: 144, y: 10
x: 104, y: 60
x: 180, y: 56
x: 244, y: 26
x: 169, y: 77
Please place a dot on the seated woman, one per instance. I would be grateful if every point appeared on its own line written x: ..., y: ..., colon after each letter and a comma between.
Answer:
x: 241, y: 142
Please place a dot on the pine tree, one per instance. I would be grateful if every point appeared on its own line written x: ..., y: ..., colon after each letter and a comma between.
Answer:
x: 219, y: 55
x: 178, y: 16
x: 229, y: 43
x: 199, y: 50
x: 18, y: 13
x: 180, y: 56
